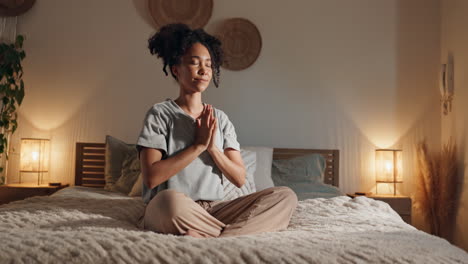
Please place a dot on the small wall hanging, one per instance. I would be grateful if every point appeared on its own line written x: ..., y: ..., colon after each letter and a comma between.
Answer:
x: 194, y: 13
x: 241, y: 43
x: 10, y: 8
x: 447, y: 86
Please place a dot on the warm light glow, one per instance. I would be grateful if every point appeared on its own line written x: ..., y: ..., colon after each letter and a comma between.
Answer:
x: 388, y: 166
x: 34, y: 155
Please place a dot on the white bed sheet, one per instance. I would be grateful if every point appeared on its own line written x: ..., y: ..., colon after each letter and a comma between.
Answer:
x: 86, y: 225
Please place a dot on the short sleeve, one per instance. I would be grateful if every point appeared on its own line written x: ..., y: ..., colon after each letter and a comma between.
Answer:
x: 229, y: 133
x: 154, y: 132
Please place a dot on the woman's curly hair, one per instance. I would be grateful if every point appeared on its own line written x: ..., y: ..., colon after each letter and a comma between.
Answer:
x: 173, y: 40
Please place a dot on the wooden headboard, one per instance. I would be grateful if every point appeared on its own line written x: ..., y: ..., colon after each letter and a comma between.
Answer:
x: 90, y: 163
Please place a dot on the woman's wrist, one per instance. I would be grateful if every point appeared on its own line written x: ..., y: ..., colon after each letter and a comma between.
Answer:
x: 213, y: 150
x: 199, y: 148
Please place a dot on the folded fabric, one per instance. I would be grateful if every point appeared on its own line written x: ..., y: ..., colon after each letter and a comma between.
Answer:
x: 314, y: 190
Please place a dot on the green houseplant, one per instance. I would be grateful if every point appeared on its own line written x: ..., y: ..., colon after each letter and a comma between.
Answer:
x: 11, y: 95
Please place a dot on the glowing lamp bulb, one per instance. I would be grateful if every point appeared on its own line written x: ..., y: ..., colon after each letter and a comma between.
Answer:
x: 35, y: 155
x: 388, y: 166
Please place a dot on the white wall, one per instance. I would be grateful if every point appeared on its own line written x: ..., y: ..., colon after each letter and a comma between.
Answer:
x: 352, y: 75
x: 454, y: 125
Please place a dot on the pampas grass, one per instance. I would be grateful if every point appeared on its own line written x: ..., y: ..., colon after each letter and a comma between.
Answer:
x: 436, y: 187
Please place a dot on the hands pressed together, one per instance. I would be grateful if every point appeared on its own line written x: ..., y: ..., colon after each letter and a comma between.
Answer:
x: 229, y: 162
x: 206, y: 129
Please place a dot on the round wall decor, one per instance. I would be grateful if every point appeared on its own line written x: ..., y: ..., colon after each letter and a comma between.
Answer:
x: 14, y: 7
x: 194, y: 13
x: 241, y: 43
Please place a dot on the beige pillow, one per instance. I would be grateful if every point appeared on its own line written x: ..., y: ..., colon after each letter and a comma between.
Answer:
x: 129, y: 174
x: 116, y: 151
x: 137, y: 188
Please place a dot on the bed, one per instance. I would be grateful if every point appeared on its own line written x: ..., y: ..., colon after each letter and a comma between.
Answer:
x: 88, y: 224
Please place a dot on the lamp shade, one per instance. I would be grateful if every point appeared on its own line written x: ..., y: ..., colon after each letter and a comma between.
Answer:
x: 34, y: 155
x: 389, y: 166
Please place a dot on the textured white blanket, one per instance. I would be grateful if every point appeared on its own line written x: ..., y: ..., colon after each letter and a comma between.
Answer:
x: 80, y: 225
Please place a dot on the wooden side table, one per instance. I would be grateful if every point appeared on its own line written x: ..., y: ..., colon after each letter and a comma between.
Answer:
x: 401, y: 204
x: 15, y: 192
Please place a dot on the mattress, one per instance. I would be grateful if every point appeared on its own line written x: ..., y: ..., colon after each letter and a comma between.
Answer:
x: 87, y: 225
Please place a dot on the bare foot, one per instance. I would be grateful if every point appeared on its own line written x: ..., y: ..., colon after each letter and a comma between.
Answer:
x: 193, y: 233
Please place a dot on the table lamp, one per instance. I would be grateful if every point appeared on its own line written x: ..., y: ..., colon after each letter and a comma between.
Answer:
x: 34, y: 157
x: 388, y: 167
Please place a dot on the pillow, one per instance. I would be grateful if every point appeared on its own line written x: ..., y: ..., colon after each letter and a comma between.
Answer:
x: 304, y: 175
x: 129, y: 175
x: 306, y: 169
x: 262, y: 175
x: 231, y: 191
x: 137, y: 188
x: 116, y: 151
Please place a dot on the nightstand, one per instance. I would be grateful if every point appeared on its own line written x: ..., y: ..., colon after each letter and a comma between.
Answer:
x: 15, y: 192
x: 401, y: 204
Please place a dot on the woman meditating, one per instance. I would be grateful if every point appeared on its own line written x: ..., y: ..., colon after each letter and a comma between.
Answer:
x: 185, y: 146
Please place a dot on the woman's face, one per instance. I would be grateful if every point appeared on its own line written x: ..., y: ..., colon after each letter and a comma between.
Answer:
x: 194, y: 72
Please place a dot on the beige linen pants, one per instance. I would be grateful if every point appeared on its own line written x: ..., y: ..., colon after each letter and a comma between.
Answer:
x: 172, y: 212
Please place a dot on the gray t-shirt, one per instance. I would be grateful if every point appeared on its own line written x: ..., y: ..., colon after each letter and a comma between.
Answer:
x: 168, y: 128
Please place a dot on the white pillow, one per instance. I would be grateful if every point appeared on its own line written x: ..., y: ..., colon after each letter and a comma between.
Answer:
x: 262, y: 175
x: 231, y: 191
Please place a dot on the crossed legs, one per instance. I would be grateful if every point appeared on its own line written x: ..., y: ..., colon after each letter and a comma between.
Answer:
x: 172, y: 212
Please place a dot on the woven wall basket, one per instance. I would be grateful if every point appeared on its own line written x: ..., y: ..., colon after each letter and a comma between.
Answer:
x: 194, y: 13
x: 241, y: 43
x: 15, y: 8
